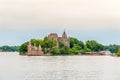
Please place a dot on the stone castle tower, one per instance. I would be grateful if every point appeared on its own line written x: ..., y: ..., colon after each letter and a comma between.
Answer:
x: 63, y: 39
x: 34, y: 51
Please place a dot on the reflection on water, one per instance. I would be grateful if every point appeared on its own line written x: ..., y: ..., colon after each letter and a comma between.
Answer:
x: 15, y: 67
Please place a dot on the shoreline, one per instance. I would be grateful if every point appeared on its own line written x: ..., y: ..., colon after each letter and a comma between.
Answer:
x: 80, y: 55
x: 67, y: 55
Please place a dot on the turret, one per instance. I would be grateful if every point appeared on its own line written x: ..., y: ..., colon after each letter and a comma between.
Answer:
x: 35, y: 47
x: 64, y: 35
x: 40, y: 53
x: 29, y: 48
x: 40, y: 47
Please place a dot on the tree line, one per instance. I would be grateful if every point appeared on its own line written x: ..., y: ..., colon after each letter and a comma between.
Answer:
x: 55, y: 47
x: 9, y: 48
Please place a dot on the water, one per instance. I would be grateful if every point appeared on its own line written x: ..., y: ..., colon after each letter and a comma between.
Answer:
x: 15, y: 67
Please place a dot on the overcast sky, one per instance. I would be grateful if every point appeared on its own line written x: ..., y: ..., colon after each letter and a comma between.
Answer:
x: 21, y: 20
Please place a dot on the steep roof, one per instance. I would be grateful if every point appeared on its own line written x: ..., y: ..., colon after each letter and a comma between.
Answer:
x: 64, y: 33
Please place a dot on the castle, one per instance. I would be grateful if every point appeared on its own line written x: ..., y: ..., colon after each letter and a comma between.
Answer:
x: 37, y: 51
x: 63, y: 39
x: 34, y: 51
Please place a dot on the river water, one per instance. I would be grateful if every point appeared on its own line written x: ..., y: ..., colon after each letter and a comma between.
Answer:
x: 15, y: 67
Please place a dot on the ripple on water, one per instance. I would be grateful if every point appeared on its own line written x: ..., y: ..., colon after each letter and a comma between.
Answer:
x: 15, y: 67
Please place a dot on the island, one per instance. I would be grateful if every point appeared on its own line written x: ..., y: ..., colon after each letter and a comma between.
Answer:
x: 64, y: 45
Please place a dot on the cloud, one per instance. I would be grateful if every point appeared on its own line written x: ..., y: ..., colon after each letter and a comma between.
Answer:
x: 63, y: 12
x: 32, y: 17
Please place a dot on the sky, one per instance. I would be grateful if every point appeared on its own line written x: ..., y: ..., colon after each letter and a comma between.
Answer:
x: 22, y: 20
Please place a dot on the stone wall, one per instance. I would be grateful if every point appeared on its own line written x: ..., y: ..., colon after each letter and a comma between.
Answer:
x: 34, y: 51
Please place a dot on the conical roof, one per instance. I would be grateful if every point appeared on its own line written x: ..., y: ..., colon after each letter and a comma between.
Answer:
x: 64, y: 33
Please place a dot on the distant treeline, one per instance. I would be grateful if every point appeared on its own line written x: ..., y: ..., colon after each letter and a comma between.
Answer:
x: 9, y: 48
x: 112, y: 48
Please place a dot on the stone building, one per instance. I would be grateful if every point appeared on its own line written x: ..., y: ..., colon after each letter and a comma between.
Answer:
x: 34, y: 51
x: 37, y: 51
x: 63, y: 38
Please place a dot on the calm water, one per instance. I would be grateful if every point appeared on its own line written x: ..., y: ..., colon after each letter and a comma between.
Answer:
x: 15, y: 67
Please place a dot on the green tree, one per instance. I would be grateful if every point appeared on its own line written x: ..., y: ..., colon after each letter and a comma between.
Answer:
x: 61, y: 44
x: 64, y: 50
x: 9, y: 48
x: 37, y: 42
x: 49, y: 43
x: 87, y: 49
x: 74, y: 41
x: 112, y: 48
x: 76, y: 49
x: 23, y: 48
x: 55, y: 50
x: 94, y: 45
x: 118, y: 52
x: 6, y: 48
x: 14, y: 48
